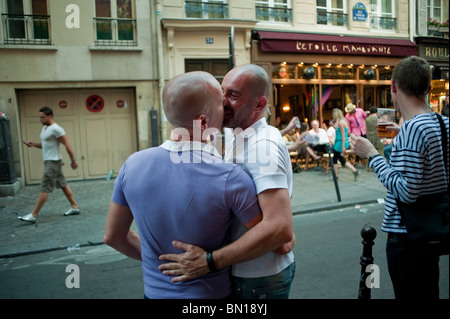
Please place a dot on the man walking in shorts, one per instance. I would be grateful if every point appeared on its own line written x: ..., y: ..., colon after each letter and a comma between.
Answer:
x: 52, y: 135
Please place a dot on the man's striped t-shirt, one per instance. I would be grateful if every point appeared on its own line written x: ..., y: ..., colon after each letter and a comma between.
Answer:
x: 417, y: 166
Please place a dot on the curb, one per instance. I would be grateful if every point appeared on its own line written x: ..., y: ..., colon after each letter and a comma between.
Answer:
x: 315, y: 209
x: 333, y: 206
x: 45, y: 250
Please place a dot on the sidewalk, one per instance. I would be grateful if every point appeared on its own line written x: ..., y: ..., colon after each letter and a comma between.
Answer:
x: 313, y: 191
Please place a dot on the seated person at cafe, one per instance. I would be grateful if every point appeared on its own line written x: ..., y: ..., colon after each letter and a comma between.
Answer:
x: 302, y: 146
x: 318, y: 138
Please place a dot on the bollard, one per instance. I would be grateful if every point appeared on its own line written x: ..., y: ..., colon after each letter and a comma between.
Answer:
x: 368, y: 234
x: 336, y: 185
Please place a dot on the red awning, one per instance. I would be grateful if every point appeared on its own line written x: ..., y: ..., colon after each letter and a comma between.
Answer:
x: 334, y: 44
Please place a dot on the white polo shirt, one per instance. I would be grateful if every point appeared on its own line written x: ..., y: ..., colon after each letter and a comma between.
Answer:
x: 262, y: 153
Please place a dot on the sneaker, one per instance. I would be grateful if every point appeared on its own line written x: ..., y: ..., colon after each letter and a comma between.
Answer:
x: 28, y: 218
x: 357, y: 173
x: 72, y: 211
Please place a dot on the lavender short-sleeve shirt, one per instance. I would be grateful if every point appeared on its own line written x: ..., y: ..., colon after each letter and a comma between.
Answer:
x: 184, y: 191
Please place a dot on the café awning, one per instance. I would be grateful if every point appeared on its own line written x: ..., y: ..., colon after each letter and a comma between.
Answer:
x: 288, y: 42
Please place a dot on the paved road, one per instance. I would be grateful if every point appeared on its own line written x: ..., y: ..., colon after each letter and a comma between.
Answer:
x: 327, y: 256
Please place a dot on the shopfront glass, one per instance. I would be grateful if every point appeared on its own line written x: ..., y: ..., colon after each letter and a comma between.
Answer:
x: 311, y: 91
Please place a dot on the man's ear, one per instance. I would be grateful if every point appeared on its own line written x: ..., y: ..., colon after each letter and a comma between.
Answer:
x: 202, y: 120
x: 393, y: 87
x: 262, y: 102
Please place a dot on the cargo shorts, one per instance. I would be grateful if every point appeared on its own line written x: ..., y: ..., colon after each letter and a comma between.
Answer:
x: 53, y: 176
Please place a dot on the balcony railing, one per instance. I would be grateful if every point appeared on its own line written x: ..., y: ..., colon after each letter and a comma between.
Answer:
x: 382, y: 23
x: 332, y: 18
x: 26, y: 29
x: 437, y: 30
x: 206, y: 10
x: 273, y: 14
x: 115, y: 32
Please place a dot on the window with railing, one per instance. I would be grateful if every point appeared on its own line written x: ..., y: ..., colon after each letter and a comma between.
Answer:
x: 114, y: 23
x: 206, y: 9
x: 382, y: 15
x: 273, y: 10
x: 437, y: 19
x: 26, y: 29
x: 29, y: 26
x: 332, y: 13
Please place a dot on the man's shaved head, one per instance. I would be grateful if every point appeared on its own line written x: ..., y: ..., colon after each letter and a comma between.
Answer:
x: 189, y: 95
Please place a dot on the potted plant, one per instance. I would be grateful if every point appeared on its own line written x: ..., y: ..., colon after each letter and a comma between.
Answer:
x: 443, y: 27
x: 433, y: 24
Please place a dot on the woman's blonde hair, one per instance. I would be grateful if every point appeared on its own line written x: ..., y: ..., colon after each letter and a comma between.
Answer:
x: 338, y: 115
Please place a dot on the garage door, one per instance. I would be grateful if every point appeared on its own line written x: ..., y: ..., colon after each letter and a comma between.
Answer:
x: 100, y: 125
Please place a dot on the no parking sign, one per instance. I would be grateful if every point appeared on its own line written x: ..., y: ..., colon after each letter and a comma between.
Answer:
x: 95, y: 103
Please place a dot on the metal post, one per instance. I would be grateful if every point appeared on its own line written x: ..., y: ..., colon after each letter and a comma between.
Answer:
x: 231, y: 59
x: 7, y: 169
x: 154, y: 127
x: 368, y: 234
x: 336, y: 185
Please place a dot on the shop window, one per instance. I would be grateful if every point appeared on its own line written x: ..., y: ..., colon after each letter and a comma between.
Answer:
x: 26, y: 22
x: 382, y: 15
x: 273, y: 10
x: 384, y: 96
x: 339, y: 71
x: 367, y: 73
x: 332, y: 13
x: 439, y: 87
x: 114, y: 23
x: 206, y: 9
x: 369, y: 97
x: 283, y: 71
x: 385, y: 73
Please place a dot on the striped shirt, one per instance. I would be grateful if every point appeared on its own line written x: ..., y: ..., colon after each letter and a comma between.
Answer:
x: 417, y: 166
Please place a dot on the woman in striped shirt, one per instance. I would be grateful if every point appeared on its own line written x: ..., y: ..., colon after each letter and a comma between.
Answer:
x: 417, y: 169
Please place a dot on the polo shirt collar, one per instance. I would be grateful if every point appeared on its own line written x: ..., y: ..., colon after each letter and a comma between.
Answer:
x: 252, y: 129
x: 187, y: 146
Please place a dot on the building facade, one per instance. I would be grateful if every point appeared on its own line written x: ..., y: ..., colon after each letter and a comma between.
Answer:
x: 321, y: 53
x: 95, y: 64
x: 431, y: 34
x: 101, y: 64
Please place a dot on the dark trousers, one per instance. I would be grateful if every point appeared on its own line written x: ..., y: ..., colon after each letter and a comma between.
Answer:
x: 412, y: 276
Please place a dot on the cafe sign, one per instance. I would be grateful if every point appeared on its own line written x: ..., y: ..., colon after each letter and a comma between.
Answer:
x: 287, y: 42
x: 343, y: 48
